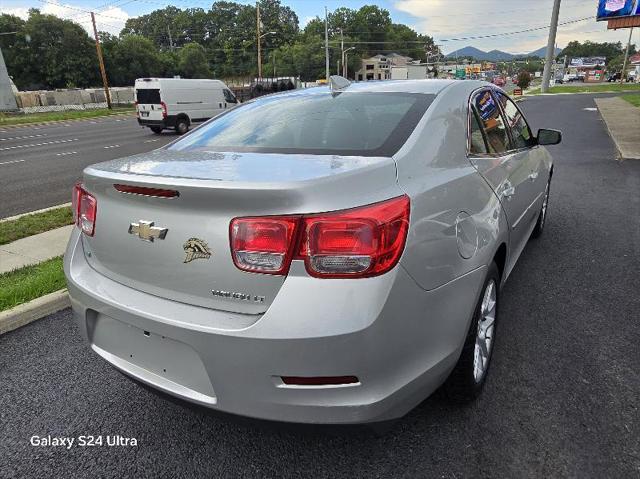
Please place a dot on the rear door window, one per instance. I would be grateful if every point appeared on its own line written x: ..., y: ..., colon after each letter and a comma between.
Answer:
x: 492, y: 122
x: 520, y: 131
x: 148, y: 96
x: 347, y: 123
x: 477, y: 145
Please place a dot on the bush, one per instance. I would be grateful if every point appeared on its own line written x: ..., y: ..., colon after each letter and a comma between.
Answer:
x: 524, y: 80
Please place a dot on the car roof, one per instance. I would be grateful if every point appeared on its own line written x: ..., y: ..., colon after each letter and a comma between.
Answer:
x: 427, y: 86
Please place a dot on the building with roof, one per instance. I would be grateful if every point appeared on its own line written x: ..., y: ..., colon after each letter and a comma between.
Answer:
x: 378, y: 67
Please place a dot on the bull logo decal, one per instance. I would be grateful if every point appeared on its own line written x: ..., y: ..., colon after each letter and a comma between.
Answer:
x: 195, y: 248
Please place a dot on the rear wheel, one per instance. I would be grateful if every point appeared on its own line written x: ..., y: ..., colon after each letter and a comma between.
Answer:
x: 156, y: 129
x: 468, y: 377
x: 182, y: 126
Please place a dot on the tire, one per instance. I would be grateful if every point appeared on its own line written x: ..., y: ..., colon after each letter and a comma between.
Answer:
x: 156, y: 129
x: 542, y: 217
x: 182, y: 126
x: 470, y: 373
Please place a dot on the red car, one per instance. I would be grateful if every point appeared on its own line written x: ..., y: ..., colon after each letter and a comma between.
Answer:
x: 498, y: 81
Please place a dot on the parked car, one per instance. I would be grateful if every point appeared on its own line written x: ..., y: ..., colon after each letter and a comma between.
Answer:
x: 499, y: 81
x: 177, y: 103
x: 304, y: 257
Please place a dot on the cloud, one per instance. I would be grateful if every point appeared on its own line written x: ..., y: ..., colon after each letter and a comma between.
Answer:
x: 111, y: 20
x: 447, y: 20
x: 17, y: 11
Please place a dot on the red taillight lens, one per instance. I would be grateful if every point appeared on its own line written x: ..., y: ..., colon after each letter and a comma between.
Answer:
x: 366, y: 241
x: 75, y: 200
x: 84, y: 207
x: 164, y: 109
x: 263, y: 245
x: 360, y: 242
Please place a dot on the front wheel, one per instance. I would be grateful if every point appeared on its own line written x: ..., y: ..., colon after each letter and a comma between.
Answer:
x: 156, y: 129
x: 542, y: 217
x: 470, y: 373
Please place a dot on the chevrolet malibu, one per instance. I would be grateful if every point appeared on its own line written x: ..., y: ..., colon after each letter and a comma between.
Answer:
x: 329, y: 255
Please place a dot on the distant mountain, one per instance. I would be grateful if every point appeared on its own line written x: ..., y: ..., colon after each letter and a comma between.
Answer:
x: 468, y: 52
x: 496, y: 55
x: 542, y: 52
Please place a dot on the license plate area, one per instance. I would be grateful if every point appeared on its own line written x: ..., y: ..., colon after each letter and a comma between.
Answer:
x: 144, y: 113
x: 156, y: 354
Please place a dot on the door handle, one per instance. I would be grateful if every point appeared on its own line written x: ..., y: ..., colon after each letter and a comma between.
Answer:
x: 508, y: 192
x: 533, y: 175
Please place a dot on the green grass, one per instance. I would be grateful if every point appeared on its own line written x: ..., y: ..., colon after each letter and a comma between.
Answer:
x: 633, y: 99
x: 594, y: 88
x: 7, y: 119
x: 35, y: 223
x: 24, y: 284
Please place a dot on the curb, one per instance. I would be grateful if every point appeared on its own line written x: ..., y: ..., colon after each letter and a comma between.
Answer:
x: 33, y: 310
x: 13, y: 218
x: 621, y: 155
x: 53, y: 122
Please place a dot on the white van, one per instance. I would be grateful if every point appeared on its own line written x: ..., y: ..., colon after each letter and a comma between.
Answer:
x: 179, y: 102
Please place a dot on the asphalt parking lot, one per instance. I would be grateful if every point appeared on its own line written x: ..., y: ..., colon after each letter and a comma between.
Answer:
x: 561, y: 399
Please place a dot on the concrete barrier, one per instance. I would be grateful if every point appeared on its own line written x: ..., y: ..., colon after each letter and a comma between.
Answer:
x: 72, y: 99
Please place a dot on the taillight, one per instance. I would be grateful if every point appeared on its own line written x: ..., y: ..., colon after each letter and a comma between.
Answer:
x: 263, y: 245
x: 75, y: 200
x: 84, y: 207
x: 360, y: 242
x: 164, y: 109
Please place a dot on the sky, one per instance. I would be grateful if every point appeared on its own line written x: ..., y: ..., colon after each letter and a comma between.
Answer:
x: 450, y: 22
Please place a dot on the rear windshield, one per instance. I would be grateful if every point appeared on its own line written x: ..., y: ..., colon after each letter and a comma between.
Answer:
x: 148, y: 95
x: 348, y: 123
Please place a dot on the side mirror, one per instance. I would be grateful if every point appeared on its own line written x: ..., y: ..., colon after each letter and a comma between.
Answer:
x: 549, y: 137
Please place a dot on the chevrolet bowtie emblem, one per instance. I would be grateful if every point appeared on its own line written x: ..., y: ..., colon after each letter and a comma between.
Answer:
x: 146, y: 231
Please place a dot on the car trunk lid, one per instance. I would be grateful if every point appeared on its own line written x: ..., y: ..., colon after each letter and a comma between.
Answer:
x: 192, y: 263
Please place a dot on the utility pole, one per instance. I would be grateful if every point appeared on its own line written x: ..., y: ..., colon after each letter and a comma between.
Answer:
x: 326, y: 44
x: 258, y: 40
x: 170, y: 38
x: 341, y: 52
x: 101, y: 62
x: 626, y: 57
x: 551, y: 53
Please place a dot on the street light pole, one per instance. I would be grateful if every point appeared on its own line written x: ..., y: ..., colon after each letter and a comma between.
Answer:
x: 553, y: 29
x: 626, y: 57
x: 345, y: 65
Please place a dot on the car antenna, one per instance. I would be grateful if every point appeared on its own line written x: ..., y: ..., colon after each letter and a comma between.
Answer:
x: 337, y: 83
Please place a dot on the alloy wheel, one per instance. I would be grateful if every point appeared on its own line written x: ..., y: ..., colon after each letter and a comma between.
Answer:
x: 484, y: 335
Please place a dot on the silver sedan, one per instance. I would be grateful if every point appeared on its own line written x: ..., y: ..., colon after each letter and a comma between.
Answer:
x: 329, y: 255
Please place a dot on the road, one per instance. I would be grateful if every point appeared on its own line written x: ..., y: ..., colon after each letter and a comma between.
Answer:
x: 561, y: 399
x: 39, y: 164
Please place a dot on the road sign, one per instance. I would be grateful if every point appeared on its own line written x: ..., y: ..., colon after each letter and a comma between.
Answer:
x: 517, y: 92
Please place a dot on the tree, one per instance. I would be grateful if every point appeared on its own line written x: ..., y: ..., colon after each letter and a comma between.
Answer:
x: 133, y: 57
x: 192, y: 61
x: 609, y: 50
x: 524, y: 80
x: 48, y: 52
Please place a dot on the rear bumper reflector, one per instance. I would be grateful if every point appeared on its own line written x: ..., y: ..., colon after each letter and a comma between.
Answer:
x: 319, y: 380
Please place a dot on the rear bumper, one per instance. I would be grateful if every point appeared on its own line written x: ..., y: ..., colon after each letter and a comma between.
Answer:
x: 399, y: 340
x: 160, y: 123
